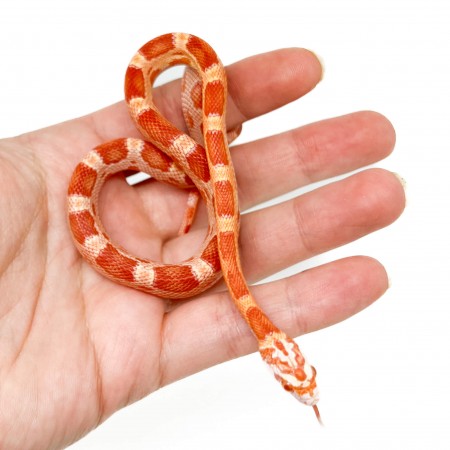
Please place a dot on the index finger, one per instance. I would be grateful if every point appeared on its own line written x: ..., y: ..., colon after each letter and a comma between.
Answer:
x: 256, y: 85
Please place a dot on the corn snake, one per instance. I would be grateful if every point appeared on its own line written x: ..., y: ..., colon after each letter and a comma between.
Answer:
x: 199, y: 161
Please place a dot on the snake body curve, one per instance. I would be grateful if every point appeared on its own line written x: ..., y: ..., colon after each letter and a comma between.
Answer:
x: 199, y: 161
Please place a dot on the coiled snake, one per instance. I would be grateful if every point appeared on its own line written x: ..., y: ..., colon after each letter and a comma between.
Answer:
x: 199, y: 162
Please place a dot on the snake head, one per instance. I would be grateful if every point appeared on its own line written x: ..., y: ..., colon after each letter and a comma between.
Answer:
x: 289, y: 367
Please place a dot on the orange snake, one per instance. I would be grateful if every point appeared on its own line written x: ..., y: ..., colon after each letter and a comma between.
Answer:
x: 199, y: 162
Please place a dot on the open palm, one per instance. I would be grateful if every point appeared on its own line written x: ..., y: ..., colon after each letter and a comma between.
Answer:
x: 76, y: 347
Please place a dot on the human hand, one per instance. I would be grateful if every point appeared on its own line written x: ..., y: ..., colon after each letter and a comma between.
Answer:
x: 77, y: 347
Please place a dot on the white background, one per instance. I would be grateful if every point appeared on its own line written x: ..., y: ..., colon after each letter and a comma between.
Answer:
x: 385, y: 373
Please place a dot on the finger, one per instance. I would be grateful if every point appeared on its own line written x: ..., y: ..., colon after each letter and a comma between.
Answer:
x: 209, y: 330
x: 256, y: 85
x: 279, y: 164
x: 276, y: 237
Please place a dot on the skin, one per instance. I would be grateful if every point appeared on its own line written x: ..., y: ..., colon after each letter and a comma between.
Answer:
x: 76, y: 347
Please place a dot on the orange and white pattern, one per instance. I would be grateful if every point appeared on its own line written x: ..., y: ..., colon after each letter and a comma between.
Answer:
x: 199, y: 162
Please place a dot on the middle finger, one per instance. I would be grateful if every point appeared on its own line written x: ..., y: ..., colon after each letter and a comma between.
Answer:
x: 275, y: 165
x: 279, y: 164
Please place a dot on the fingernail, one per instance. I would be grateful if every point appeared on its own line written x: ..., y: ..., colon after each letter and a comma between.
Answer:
x: 321, y: 61
x: 404, y: 185
x: 401, y: 179
x: 389, y: 281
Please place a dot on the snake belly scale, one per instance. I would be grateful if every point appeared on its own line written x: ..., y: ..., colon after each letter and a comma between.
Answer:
x: 199, y: 161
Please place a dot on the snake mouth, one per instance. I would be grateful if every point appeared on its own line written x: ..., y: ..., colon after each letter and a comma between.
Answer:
x: 309, y: 398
